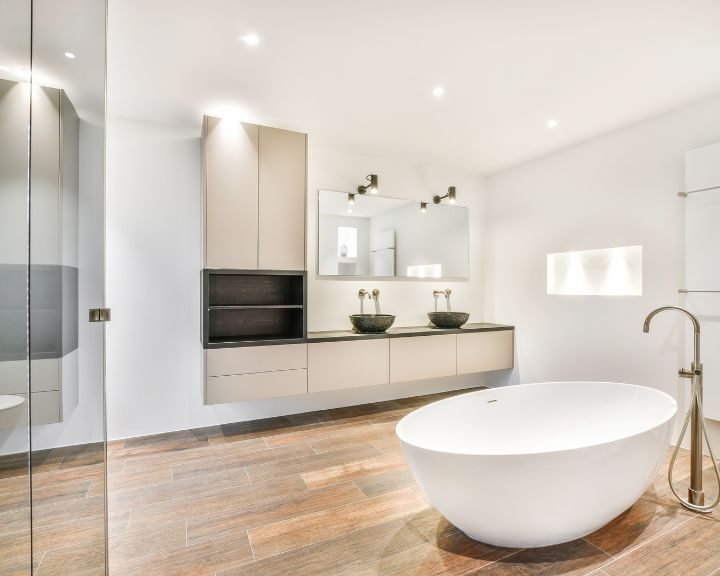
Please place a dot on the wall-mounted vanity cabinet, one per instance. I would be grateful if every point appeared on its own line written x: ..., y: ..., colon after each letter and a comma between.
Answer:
x: 254, y: 181
x: 344, y: 360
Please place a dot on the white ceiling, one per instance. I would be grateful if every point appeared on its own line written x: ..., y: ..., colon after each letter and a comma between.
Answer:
x: 358, y: 75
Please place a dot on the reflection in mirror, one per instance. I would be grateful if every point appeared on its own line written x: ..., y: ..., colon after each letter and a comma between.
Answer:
x: 66, y: 279
x: 361, y: 235
x: 15, y: 57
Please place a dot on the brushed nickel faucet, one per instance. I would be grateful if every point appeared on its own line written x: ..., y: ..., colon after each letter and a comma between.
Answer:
x: 445, y: 293
x: 696, y: 495
x: 376, y: 300
x: 362, y: 294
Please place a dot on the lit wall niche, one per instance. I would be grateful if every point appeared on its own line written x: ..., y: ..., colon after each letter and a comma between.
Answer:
x: 604, y: 272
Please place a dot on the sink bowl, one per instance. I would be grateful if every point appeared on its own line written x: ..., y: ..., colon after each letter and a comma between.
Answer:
x: 448, y: 319
x: 372, y: 323
x: 10, y: 401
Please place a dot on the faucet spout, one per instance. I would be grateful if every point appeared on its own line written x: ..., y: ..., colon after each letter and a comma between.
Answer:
x: 693, y: 319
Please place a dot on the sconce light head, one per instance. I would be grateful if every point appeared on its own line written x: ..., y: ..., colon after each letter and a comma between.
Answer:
x: 372, y: 186
x: 423, y: 207
x: 351, y: 199
x: 450, y: 196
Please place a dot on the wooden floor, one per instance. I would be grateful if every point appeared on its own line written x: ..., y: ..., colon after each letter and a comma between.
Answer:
x: 328, y: 493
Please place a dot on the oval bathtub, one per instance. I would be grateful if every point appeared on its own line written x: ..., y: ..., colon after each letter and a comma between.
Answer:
x: 538, y: 464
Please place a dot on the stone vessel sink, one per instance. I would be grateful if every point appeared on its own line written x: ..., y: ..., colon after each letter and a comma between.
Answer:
x: 448, y: 319
x: 372, y: 323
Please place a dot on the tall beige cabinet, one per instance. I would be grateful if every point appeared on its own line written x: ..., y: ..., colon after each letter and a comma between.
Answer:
x: 254, y: 279
x: 254, y: 196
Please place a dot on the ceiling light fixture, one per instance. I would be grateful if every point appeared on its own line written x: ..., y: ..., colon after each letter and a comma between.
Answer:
x: 70, y: 55
x: 250, y: 39
x: 423, y: 207
x: 450, y: 196
x: 438, y: 92
x: 551, y: 122
x: 372, y: 187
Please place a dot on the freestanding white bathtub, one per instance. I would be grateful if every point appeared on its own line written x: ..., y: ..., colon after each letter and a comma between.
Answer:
x: 538, y: 464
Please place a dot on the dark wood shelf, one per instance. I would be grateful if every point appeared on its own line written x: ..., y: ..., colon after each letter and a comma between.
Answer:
x: 244, y: 307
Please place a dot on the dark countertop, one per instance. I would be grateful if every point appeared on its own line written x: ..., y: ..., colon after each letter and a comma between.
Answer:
x: 403, y: 332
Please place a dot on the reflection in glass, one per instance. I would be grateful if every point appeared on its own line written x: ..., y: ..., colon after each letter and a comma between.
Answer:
x: 384, y: 237
x: 15, y: 35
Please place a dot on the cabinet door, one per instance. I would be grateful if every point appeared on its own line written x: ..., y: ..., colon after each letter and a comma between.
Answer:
x: 228, y: 361
x: 282, y: 199
x: 484, y: 351
x: 422, y: 357
x: 347, y: 364
x: 241, y: 387
x: 230, y: 163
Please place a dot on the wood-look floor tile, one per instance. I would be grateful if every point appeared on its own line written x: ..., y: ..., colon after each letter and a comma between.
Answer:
x: 85, y: 455
x: 261, y: 472
x: 61, y: 534
x: 640, y: 523
x: 692, y: 549
x: 220, y: 502
x: 14, y: 544
x: 576, y: 558
x: 74, y: 559
x: 145, y: 463
x: 452, y: 555
x: 344, y: 472
x: 265, y: 428
x: 65, y: 475
x: 204, y: 466
x: 49, y: 495
x: 118, y: 522
x: 167, y: 442
x: 211, y: 526
x: 344, y: 430
x: 195, y: 485
x: 431, y: 525
x: 331, y: 557
x: 147, y: 542
x: 385, y: 482
x: 310, y: 528
x: 195, y: 560
x: 363, y: 435
x: 67, y: 510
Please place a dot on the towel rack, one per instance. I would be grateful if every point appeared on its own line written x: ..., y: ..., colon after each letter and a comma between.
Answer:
x: 686, y: 291
x: 685, y: 194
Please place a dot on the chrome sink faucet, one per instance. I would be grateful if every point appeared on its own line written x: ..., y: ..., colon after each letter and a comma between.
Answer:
x: 445, y: 293
x: 362, y: 294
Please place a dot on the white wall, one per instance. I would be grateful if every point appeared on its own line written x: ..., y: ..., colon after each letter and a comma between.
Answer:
x: 618, y: 190
x: 154, y: 354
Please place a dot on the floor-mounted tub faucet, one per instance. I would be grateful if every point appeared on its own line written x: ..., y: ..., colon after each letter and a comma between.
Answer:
x: 696, y: 494
x: 362, y: 294
x: 445, y: 293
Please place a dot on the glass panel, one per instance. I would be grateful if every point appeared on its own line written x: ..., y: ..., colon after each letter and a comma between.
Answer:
x: 15, y: 34
x: 366, y: 235
x: 66, y: 279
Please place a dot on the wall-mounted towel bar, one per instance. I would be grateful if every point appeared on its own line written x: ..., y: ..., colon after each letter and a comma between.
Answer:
x: 686, y: 194
x: 686, y: 291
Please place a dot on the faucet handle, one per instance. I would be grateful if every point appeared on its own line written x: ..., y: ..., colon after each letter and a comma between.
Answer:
x: 448, y: 291
x: 362, y: 293
x: 437, y: 293
x: 375, y: 293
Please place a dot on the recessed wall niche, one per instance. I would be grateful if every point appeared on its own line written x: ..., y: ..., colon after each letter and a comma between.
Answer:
x: 603, y: 272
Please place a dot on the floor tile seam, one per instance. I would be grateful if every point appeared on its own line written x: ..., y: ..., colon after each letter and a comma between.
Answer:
x: 643, y: 544
x: 37, y: 569
x: 334, y: 434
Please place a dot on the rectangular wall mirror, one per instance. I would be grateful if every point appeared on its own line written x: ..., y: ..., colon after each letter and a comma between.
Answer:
x: 376, y: 236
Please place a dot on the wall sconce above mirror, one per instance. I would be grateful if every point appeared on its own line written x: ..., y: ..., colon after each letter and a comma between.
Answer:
x: 380, y: 237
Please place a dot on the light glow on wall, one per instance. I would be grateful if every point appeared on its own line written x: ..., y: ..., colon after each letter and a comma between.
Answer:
x: 604, y: 272
x: 425, y: 271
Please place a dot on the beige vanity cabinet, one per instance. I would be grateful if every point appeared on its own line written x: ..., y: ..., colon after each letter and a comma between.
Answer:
x: 422, y: 357
x: 254, y: 180
x: 348, y: 364
x: 254, y: 372
x: 485, y: 351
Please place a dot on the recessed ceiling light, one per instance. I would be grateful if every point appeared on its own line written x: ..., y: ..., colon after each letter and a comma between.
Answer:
x: 250, y: 39
x: 70, y: 55
x: 551, y: 122
x: 438, y: 92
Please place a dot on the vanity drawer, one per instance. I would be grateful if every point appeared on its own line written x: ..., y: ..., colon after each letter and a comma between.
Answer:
x: 422, y: 357
x: 484, y: 351
x: 348, y: 364
x: 230, y: 361
x: 240, y: 387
